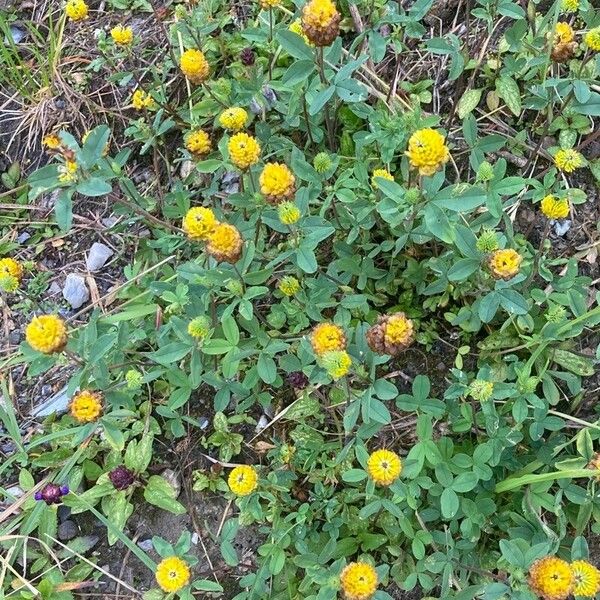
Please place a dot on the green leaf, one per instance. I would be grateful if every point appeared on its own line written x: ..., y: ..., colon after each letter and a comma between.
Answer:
x: 206, y: 585
x: 159, y: 492
x: 320, y: 99
x: 489, y: 306
x: 139, y: 454
x: 354, y: 475
x: 267, y: 369
x: 462, y: 268
x: 306, y: 259
x: 512, y: 302
x: 118, y: 510
x: 468, y: 102
x: 299, y: 71
x: 94, y: 187
x: 171, y: 353
x: 509, y: 91
x: 580, y: 365
x: 294, y: 45
x: 449, y: 503
x: 63, y: 210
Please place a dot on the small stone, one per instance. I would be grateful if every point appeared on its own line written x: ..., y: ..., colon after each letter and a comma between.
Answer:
x: 195, y: 538
x: 561, y: 227
x: 17, y: 33
x: 255, y: 107
x: 187, y: 167
x: 63, y: 513
x: 173, y: 480
x: 75, y: 291
x: 23, y: 237
x: 109, y: 222
x: 146, y: 545
x: 262, y: 423
x: 97, y: 257
x: 67, y: 530
x: 54, y: 289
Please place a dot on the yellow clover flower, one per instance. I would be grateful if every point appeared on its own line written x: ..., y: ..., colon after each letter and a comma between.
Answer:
x: 233, y: 119
x: 141, y: 100
x: 384, y: 467
x: 277, y: 182
x: 76, y: 10
x: 194, y: 66
x: 296, y: 27
x: 569, y: 160
x: 358, y: 581
x: 288, y: 213
x: 244, y: 150
x: 9, y: 266
x: 551, y: 578
x: 243, y: 480
x: 68, y: 171
x: 122, y: 36
x: 47, y: 334
x: 555, y: 208
x: 427, y: 151
x: 592, y: 39
x: 326, y: 337
x: 197, y: 142
x: 199, y: 222
x: 563, y: 33
x: 51, y: 141
x: 199, y: 327
x: 337, y: 363
x: 266, y: 4
x: 289, y: 286
x: 172, y: 574
x: 391, y: 334
x: 321, y: 22
x: 224, y: 243
x: 505, y: 264
x: 383, y: 173
x: 570, y: 6
x: 587, y: 579
x: 86, y: 406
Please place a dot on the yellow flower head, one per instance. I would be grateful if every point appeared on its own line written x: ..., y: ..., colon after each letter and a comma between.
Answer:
x: 569, y: 160
x: 384, y: 467
x: 337, y: 363
x: 481, y: 390
x: 172, y: 574
x: 122, y: 36
x: 551, y: 578
x: 266, y: 4
x: 194, y: 66
x: 326, y: 337
x: 68, y: 171
x: 51, y: 141
x: 47, y: 334
x: 224, y: 243
x: 76, y: 10
x: 199, y: 327
x: 244, y: 150
x: 592, y: 39
x: 199, y: 222
x: 296, y: 27
x: 9, y: 266
x: 569, y: 6
x: 86, y: 406
x: 587, y: 579
x: 289, y: 286
x: 359, y: 581
x: 383, y: 173
x: 399, y: 329
x: 505, y: 264
x: 563, y: 33
x: 243, y: 480
x: 391, y: 334
x: 288, y: 213
x: 141, y: 100
x: 427, y: 151
x: 233, y: 118
x: 197, y: 142
x: 320, y: 22
x: 555, y: 208
x: 277, y: 182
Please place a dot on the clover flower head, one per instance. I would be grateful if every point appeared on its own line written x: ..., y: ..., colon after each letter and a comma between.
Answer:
x: 288, y: 213
x: 427, y: 151
x: 121, y: 477
x: 555, y: 208
x: 133, y: 379
x: 86, y: 406
x: 233, y: 119
x: 68, y: 171
x: 194, y: 66
x: 481, y: 390
x: 199, y: 222
x: 76, y: 10
x: 587, y: 579
x: 569, y: 160
x: 289, y: 286
x: 142, y: 100
x: 337, y: 363
x: 172, y: 574
x: 199, y: 327
x: 322, y: 162
x: 592, y: 39
x: 9, y: 266
x: 383, y: 173
x: 326, y: 337
x: 569, y: 6
x: 243, y: 480
x: 224, y: 243
x: 277, y: 182
x: 321, y: 22
x: 46, y: 334
x: 384, y: 467
x: 551, y: 578
x: 391, y: 334
x: 244, y: 150
x: 121, y: 35
x: 197, y: 142
x: 487, y: 241
x: 505, y: 264
x: 51, y: 141
x: 296, y: 27
x: 359, y: 581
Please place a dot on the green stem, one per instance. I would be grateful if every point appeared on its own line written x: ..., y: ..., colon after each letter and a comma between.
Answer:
x: 516, y: 482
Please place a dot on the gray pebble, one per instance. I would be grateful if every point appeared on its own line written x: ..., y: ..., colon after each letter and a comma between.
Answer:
x: 146, y: 545
x: 23, y: 237
x: 75, y: 291
x: 561, y: 227
x: 17, y: 33
x: 97, y: 257
x: 109, y: 222
x: 67, y: 530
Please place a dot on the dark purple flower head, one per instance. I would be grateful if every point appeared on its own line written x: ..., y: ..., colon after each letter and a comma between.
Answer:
x: 121, y: 477
x: 52, y: 493
x: 247, y: 57
x: 298, y: 380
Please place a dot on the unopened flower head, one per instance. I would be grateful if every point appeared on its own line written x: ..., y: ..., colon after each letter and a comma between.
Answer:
x: 68, y: 171
x: 288, y: 213
x: 326, y: 337
x: 383, y: 173
x: 243, y: 480
x: 358, y: 581
x: 384, y: 467
x: 481, y: 390
x: 199, y: 222
x: 592, y: 39
x: 121, y: 35
x: 244, y: 150
x: 337, y: 363
x: 121, y: 477
x: 194, y: 66
x: 505, y: 264
x: 485, y: 172
x: 233, y: 119
x: 569, y: 160
x: 296, y: 27
x: 321, y: 22
x: 551, y: 578
x: 289, y: 285
x: 86, y: 406
x: 487, y: 241
x: 224, y: 243
x: 322, y: 162
x: 76, y: 10
x: 555, y: 208
x: 52, y: 493
x: 199, y: 327
x: 172, y: 574
x: 47, y: 334
x: 427, y: 151
x: 197, y: 142
x: 133, y: 379
x: 267, y: 4
x: 556, y: 313
x: 569, y: 6
x: 277, y: 182
x: 8, y: 283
